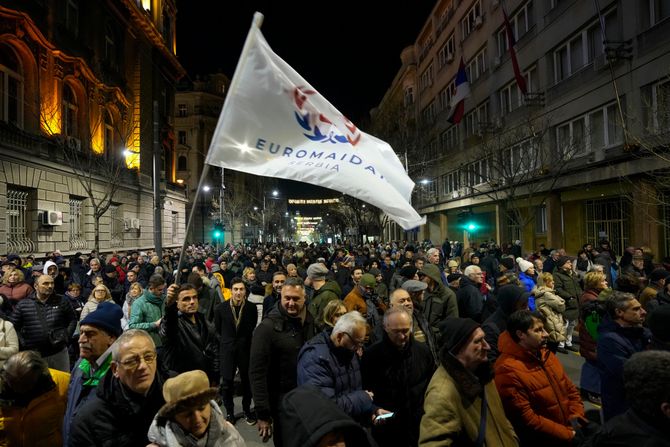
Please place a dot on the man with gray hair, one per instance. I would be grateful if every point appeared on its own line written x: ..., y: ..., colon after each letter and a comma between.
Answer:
x: 130, y: 394
x: 469, y: 297
x: 621, y: 336
x: 330, y: 363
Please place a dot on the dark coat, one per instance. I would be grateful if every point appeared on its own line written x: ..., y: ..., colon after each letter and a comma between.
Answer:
x: 587, y: 345
x: 470, y: 300
x: 567, y: 287
x: 115, y: 416
x: 235, y: 342
x: 336, y: 373
x: 398, y: 379
x: 33, y: 333
x: 617, y: 344
x: 630, y: 429
x: 188, y: 346
x: 274, y: 358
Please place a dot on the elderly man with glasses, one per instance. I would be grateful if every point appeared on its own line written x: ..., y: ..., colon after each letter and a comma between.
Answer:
x: 330, y: 362
x: 128, y: 397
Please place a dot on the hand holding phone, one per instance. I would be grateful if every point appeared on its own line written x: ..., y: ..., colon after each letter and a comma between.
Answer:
x: 384, y: 416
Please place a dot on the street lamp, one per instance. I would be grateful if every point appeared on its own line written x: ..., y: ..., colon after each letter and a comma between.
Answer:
x: 205, y: 189
x: 275, y: 195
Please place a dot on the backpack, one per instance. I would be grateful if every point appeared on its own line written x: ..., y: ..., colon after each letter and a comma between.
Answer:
x: 592, y: 314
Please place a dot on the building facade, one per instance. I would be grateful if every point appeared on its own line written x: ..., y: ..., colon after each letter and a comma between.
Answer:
x: 577, y: 158
x: 80, y: 84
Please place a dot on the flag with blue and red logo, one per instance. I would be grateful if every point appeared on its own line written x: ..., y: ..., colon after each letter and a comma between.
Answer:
x: 275, y: 124
x: 457, y: 105
x: 511, y: 41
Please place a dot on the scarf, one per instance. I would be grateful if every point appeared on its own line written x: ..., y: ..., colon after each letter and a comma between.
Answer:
x: 97, y: 375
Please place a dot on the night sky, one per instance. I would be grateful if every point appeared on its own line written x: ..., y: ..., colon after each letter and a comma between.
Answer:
x: 348, y: 50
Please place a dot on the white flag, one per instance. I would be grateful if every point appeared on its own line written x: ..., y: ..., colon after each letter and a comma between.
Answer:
x: 275, y: 124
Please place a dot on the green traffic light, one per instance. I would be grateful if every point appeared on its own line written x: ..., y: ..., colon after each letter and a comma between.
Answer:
x: 217, y: 234
x: 471, y: 227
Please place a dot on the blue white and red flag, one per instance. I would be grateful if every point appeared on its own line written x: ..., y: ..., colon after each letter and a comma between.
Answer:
x: 457, y: 106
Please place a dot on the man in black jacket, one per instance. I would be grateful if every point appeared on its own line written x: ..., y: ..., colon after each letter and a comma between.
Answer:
x: 189, y: 340
x: 397, y: 370
x: 274, y: 356
x: 45, y: 322
x: 470, y: 299
x: 235, y: 321
x: 125, y: 403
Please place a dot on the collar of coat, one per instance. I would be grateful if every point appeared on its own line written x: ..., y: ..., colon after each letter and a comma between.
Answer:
x: 510, y: 347
x: 470, y: 384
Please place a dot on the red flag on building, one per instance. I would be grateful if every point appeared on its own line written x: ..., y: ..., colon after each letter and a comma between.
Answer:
x: 511, y: 41
x: 458, y: 100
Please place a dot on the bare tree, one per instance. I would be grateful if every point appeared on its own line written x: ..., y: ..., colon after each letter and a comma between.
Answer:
x: 236, y: 207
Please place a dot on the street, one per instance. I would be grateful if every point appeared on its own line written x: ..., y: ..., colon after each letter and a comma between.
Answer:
x: 572, y: 363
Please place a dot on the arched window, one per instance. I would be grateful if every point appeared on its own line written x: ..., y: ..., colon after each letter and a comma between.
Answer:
x: 108, y: 132
x: 11, y: 87
x: 182, y: 164
x: 70, y: 110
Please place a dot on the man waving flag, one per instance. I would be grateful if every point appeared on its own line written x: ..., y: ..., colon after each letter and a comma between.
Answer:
x: 274, y: 123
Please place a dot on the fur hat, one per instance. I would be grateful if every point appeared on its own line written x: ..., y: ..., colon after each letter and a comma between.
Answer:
x: 523, y: 264
x: 185, y: 391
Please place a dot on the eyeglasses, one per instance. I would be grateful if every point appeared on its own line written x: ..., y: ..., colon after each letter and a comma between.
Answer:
x: 358, y: 344
x: 134, y: 362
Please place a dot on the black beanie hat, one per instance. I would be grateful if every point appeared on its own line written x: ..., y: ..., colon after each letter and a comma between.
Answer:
x: 408, y: 272
x: 561, y: 261
x: 456, y: 331
x: 107, y: 316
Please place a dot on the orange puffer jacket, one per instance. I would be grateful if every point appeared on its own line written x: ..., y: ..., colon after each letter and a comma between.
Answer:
x: 539, y: 398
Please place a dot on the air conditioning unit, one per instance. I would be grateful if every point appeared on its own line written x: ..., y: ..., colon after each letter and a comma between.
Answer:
x: 455, y: 195
x: 74, y: 144
x: 450, y: 58
x: 135, y: 224
x: 52, y: 218
x: 127, y: 224
x: 479, y: 21
x: 496, y: 61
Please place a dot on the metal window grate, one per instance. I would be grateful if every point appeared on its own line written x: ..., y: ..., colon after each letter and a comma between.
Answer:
x: 77, y: 241
x: 18, y: 240
x: 608, y: 219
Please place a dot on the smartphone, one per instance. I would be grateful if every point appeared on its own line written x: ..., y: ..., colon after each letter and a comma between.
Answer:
x: 382, y: 417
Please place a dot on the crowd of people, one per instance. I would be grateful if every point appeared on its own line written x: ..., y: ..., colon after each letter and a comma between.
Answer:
x: 382, y: 344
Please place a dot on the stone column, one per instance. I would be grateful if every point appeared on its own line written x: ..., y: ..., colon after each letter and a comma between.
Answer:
x: 554, y: 221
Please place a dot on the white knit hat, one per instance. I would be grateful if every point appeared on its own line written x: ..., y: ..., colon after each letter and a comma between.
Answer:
x: 523, y: 264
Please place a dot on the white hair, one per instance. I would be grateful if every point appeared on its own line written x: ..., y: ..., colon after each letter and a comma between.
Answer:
x: 431, y: 251
x: 469, y: 270
x: 348, y: 322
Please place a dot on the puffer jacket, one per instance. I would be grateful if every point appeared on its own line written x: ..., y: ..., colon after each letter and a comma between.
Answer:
x: 552, y: 307
x: 33, y: 333
x: 116, y: 416
x: 39, y: 423
x: 144, y: 313
x: 336, y: 373
x: 16, y: 292
x: 188, y: 346
x: 566, y: 285
x: 9, y: 341
x: 274, y: 358
x: 539, y: 398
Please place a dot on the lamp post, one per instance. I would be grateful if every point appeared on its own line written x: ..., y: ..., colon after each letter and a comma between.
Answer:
x: 205, y: 189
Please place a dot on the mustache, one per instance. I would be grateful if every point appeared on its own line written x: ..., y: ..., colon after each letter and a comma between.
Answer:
x: 85, y: 345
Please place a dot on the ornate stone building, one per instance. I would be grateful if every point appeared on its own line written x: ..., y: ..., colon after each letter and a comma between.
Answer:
x: 79, y: 82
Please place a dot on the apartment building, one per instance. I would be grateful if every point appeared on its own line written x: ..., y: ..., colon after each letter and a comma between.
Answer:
x: 577, y: 158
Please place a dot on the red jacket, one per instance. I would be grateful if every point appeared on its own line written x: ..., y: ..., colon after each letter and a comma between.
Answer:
x: 539, y: 398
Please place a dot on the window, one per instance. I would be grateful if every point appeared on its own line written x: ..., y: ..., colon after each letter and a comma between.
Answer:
x: 167, y: 27
x: 108, y: 133
x: 446, y: 53
x: 409, y: 96
x: 18, y: 235
x: 428, y: 114
x: 511, y: 97
x: 11, y: 88
x: 660, y: 107
x: 541, y: 219
x: 70, y: 110
x: 608, y: 219
x: 583, y: 47
x: 598, y: 129
x: 476, y: 67
x: 72, y: 16
x: 519, y: 158
x: 174, y: 224
x: 116, y: 226
x: 451, y: 182
x: 426, y: 79
x: 521, y: 23
x: 182, y: 164
x: 476, y: 120
x: 110, y: 45
x: 182, y: 110
x: 472, y: 19
x: 477, y: 173
x: 658, y: 10
x: 181, y: 137
x: 449, y: 139
x: 446, y: 94
x: 77, y: 240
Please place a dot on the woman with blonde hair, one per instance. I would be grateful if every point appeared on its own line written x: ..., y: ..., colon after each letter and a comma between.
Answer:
x: 134, y: 292
x: 331, y: 313
x: 552, y: 306
x: 99, y: 294
x: 14, y: 287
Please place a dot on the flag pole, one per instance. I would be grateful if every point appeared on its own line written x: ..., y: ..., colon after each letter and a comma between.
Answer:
x: 256, y: 22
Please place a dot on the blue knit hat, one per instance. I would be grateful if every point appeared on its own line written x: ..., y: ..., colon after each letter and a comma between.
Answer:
x: 107, y: 316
